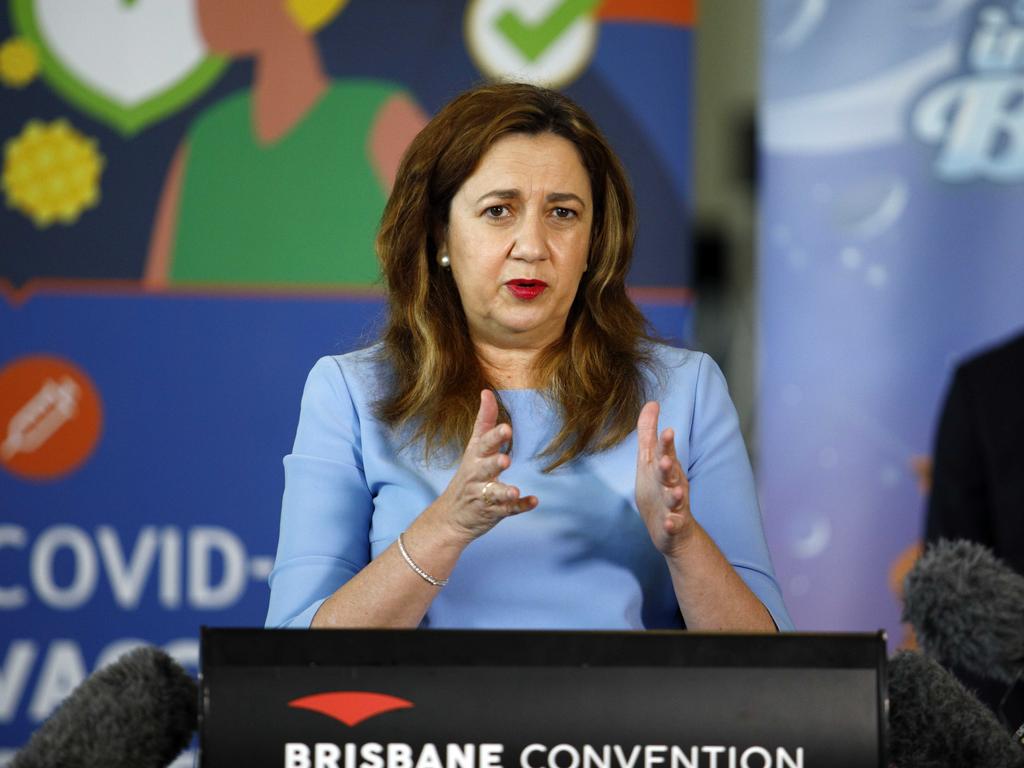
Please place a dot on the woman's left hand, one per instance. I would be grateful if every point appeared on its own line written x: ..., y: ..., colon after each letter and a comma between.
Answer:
x: 662, y: 489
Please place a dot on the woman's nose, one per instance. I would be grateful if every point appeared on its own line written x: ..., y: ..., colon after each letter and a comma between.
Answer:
x: 531, y: 240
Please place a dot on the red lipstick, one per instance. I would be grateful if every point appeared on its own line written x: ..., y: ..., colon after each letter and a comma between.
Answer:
x: 526, y: 289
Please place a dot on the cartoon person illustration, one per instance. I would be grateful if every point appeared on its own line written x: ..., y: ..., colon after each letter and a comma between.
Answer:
x: 282, y: 184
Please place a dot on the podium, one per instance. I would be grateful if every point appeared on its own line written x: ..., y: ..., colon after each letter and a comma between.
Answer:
x: 526, y: 699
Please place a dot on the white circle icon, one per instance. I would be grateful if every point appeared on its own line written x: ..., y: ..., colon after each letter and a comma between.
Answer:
x: 548, y: 42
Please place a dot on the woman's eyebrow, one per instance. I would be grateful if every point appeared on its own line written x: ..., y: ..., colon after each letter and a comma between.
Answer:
x: 563, y: 197
x: 501, y: 194
x: 512, y: 194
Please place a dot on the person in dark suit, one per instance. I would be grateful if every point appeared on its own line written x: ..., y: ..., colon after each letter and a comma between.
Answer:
x: 977, y: 490
x: 978, y: 475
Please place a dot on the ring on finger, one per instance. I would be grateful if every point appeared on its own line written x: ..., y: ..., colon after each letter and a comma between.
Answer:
x: 485, y: 493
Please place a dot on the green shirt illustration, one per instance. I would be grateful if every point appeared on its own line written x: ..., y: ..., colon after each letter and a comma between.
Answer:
x: 303, y: 210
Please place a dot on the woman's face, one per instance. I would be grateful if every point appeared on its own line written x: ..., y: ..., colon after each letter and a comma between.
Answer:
x: 518, y: 238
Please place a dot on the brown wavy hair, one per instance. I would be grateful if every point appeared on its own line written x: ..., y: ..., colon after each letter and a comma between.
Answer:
x: 594, y: 373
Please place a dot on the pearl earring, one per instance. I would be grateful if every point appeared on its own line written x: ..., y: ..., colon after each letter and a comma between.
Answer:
x: 445, y: 261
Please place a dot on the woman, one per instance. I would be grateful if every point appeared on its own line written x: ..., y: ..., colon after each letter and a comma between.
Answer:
x: 492, y: 462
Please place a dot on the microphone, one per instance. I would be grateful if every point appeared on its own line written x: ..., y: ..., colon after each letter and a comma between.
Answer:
x: 967, y: 609
x: 934, y: 722
x: 138, y: 712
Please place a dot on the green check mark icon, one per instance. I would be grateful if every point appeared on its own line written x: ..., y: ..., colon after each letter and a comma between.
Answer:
x: 533, y: 39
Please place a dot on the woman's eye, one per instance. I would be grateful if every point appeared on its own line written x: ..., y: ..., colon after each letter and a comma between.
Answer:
x: 564, y: 213
x: 497, y: 211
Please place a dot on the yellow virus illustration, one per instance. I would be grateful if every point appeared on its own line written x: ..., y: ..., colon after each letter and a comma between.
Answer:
x: 19, y: 62
x: 51, y: 172
x: 314, y: 14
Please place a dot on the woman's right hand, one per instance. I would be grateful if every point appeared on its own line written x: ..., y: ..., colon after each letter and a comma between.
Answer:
x: 475, y: 499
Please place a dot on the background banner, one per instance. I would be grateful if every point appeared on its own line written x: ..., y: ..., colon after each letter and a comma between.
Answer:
x: 893, y: 162
x: 191, y: 193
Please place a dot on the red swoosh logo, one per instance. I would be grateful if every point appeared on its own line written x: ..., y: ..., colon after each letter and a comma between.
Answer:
x: 350, y: 707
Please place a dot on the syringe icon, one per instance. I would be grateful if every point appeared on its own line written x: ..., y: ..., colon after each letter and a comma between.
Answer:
x: 55, y: 404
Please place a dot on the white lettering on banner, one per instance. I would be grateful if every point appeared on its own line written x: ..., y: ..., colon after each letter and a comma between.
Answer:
x: 524, y: 756
x: 296, y: 756
x: 170, y: 568
x: 399, y: 755
x: 633, y: 756
x: 84, y: 574
x: 461, y: 756
x: 185, y: 651
x: 372, y: 755
x: 202, y: 543
x: 62, y: 671
x: 157, y: 553
x: 327, y: 755
x: 563, y: 749
x: 16, y: 537
x: 490, y: 755
x: 429, y: 757
x: 977, y: 117
x: 63, y: 668
x: 127, y: 579
x: 21, y: 655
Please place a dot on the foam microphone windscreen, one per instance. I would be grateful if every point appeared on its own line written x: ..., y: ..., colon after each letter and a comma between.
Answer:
x: 967, y: 609
x: 139, y: 712
x: 934, y: 722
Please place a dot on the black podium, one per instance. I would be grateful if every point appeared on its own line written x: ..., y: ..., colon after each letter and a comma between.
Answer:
x: 475, y: 699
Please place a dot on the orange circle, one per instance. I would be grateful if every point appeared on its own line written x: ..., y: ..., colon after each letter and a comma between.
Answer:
x: 50, y: 417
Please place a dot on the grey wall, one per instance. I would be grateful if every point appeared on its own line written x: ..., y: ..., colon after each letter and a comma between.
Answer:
x: 728, y: 36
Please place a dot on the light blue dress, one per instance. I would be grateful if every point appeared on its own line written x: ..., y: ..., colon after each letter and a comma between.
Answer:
x: 581, y: 560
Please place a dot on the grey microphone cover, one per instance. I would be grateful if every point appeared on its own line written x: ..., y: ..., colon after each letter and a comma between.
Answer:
x: 934, y: 722
x: 967, y: 609
x: 139, y: 712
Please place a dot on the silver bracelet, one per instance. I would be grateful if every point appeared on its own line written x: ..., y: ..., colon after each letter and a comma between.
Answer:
x: 423, y: 574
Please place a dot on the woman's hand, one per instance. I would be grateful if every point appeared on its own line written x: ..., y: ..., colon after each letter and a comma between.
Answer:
x: 475, y: 499
x: 662, y: 490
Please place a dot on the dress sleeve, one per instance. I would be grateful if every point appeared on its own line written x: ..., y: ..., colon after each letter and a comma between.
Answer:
x: 722, y: 492
x: 327, y: 506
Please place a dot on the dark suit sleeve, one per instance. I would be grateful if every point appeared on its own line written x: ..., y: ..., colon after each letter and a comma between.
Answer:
x: 960, y: 504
